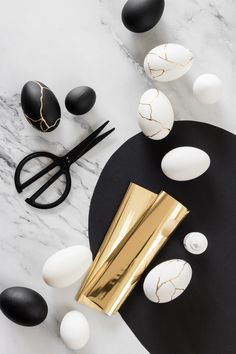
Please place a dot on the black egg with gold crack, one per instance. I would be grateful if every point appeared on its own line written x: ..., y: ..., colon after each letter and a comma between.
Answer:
x: 40, y: 106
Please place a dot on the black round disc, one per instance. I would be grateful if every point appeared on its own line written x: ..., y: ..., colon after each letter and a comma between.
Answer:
x: 203, y: 319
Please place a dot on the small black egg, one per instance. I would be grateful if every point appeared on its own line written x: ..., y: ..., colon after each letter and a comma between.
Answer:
x: 40, y: 106
x: 141, y: 15
x: 23, y: 306
x: 80, y: 100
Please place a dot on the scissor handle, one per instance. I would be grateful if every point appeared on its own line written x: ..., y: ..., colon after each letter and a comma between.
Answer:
x: 20, y: 186
x: 32, y: 200
x: 56, y: 161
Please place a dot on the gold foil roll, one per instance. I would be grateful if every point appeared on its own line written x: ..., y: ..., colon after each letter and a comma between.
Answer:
x: 140, y: 228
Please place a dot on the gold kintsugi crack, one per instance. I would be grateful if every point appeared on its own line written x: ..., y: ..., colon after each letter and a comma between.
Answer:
x: 162, y: 71
x: 175, y: 289
x: 169, y: 281
x: 42, y: 120
x: 159, y: 131
x: 157, y: 287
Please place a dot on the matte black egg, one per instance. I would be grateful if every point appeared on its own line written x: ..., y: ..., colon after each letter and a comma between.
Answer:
x: 141, y: 15
x: 23, y: 306
x: 80, y: 100
x: 40, y: 106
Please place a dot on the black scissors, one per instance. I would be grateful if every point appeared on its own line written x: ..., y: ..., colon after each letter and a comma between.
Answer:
x: 63, y: 162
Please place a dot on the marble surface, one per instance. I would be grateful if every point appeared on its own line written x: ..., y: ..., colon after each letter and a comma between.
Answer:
x: 65, y: 44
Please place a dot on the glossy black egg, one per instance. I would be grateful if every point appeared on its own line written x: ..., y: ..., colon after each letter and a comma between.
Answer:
x: 40, y: 106
x: 141, y: 15
x: 23, y: 306
x: 80, y: 100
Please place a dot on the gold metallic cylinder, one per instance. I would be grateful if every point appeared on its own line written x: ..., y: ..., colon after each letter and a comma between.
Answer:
x: 142, y: 225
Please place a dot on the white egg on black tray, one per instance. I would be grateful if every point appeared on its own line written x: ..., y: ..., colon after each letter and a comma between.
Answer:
x: 167, y: 280
x: 195, y: 242
x: 80, y: 100
x: 40, y: 106
x: 185, y: 163
x: 155, y: 114
x: 142, y: 15
x: 23, y: 306
x: 168, y: 62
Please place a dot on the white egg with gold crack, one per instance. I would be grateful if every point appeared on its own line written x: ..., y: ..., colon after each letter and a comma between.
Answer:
x: 155, y: 114
x: 168, y: 62
x: 67, y: 266
x: 167, y: 280
x: 185, y: 163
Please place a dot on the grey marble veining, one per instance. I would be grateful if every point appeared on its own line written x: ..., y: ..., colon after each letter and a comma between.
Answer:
x: 66, y: 44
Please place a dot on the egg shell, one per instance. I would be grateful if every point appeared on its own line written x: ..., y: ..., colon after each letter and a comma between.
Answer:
x: 142, y: 15
x: 155, y: 114
x: 168, y: 62
x: 195, y: 242
x: 67, y: 266
x: 23, y: 306
x: 80, y: 100
x: 207, y: 88
x: 74, y: 330
x: 185, y: 163
x: 167, y: 280
x: 40, y: 106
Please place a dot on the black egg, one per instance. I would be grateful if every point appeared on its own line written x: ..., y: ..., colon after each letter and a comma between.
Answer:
x: 23, y: 306
x: 141, y: 15
x: 40, y: 106
x: 80, y: 100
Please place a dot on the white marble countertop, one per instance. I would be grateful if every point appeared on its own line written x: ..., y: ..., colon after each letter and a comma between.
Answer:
x: 66, y: 44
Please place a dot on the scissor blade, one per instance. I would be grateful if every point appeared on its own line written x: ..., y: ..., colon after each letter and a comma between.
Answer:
x: 78, y: 151
x: 96, y: 141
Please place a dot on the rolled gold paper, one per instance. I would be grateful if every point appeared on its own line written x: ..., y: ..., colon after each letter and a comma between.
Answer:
x: 142, y: 225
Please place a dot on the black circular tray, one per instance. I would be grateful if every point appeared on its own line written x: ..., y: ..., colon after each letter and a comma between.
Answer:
x: 203, y: 319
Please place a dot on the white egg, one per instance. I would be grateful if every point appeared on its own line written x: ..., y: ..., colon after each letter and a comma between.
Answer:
x: 185, y: 163
x: 74, y: 330
x: 168, y: 62
x: 195, y: 242
x: 155, y: 114
x: 207, y: 88
x: 167, y: 280
x: 67, y: 266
